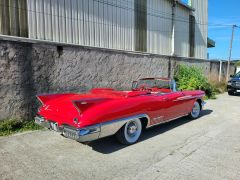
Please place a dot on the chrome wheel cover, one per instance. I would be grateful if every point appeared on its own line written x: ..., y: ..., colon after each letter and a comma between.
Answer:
x: 133, y: 130
x: 196, y: 110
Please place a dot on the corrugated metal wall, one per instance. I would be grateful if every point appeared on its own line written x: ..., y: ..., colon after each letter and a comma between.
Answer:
x: 13, y: 18
x: 201, y: 28
x: 108, y: 24
x: 100, y: 23
x: 159, y: 26
x: 182, y: 32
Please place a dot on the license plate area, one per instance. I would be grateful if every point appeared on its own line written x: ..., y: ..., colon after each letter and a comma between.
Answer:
x: 70, y: 133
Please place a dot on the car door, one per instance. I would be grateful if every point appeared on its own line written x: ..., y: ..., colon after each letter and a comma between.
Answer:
x: 174, y: 105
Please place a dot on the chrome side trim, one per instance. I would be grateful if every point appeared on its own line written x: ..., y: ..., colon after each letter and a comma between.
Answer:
x: 166, y: 121
x: 184, y: 98
x: 111, y: 127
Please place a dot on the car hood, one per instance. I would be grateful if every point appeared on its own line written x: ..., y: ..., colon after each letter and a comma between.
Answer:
x: 235, y: 79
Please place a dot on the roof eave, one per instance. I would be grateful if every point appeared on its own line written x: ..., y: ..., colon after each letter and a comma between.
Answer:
x: 185, y: 5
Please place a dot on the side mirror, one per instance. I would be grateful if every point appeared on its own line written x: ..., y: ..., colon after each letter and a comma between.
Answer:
x: 231, y: 75
x: 134, y: 84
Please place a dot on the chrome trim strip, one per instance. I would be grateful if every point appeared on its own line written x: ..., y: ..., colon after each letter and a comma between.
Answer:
x: 166, y: 121
x: 184, y: 98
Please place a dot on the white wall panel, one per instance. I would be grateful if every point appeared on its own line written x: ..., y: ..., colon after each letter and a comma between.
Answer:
x: 182, y: 32
x: 40, y: 19
x: 91, y: 22
x: 32, y: 23
x: 114, y: 25
x: 75, y: 32
x: 48, y: 20
x: 86, y: 23
x: 81, y: 22
x: 62, y: 21
x: 55, y: 20
x: 159, y: 27
x: 96, y: 23
x: 100, y: 23
x: 106, y: 7
x: 201, y: 28
x: 68, y: 12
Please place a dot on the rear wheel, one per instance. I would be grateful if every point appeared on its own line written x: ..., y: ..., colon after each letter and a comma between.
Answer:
x: 195, y: 111
x: 130, y: 132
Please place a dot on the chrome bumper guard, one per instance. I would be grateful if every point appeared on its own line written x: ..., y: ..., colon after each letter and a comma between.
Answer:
x: 42, y: 122
x: 89, y: 133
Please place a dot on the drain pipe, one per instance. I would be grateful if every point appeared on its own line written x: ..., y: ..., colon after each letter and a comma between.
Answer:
x: 174, y: 2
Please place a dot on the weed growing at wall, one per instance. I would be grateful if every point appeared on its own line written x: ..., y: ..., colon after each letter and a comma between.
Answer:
x: 192, y: 78
x: 12, y: 126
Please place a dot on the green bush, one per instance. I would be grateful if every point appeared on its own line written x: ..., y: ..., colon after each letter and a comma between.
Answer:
x: 11, y: 126
x: 192, y: 78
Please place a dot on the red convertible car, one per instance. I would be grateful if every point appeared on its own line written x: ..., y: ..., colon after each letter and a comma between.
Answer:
x: 103, y: 112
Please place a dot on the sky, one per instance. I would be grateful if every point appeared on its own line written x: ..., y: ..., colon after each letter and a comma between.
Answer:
x: 226, y: 13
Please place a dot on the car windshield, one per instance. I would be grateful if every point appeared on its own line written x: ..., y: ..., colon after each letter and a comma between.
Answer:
x: 237, y: 75
x: 153, y: 83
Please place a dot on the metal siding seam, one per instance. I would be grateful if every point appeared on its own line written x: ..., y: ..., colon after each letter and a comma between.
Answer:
x: 96, y: 23
x: 91, y: 22
x: 86, y: 23
x: 68, y: 21
x: 105, y: 25
x: 118, y: 27
x: 55, y: 20
x: 48, y: 20
x: 114, y: 22
x: 74, y: 22
x: 62, y: 22
x: 80, y: 22
x: 31, y: 16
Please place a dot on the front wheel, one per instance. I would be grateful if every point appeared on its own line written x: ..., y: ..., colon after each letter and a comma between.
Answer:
x: 230, y: 93
x: 195, y: 111
x: 130, y: 132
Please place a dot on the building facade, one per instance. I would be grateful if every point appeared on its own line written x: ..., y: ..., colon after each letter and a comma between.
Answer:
x: 166, y: 27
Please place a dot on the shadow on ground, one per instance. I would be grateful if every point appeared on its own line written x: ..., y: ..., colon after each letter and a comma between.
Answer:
x: 110, y: 144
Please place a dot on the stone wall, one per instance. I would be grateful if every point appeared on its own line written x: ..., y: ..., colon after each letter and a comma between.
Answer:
x: 27, y: 69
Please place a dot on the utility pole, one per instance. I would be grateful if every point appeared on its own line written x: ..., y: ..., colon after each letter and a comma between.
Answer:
x: 230, y: 51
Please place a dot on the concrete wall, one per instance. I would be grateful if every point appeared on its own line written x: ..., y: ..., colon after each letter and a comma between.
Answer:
x: 27, y: 69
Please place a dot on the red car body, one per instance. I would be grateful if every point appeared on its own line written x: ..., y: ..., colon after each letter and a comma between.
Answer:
x: 103, y: 112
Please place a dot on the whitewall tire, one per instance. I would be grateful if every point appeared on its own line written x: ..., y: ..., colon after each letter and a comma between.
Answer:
x: 130, y: 132
x: 196, y: 110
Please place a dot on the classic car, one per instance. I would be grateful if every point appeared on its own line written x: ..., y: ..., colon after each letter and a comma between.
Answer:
x: 103, y: 112
x: 233, y: 85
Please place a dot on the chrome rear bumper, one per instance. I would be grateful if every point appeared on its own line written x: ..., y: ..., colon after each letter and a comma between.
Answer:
x: 82, y: 135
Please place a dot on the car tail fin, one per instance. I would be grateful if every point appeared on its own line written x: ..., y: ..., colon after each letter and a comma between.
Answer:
x: 83, y: 104
x: 47, y: 97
